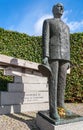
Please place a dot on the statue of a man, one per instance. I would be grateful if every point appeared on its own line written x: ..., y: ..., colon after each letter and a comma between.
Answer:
x: 56, y: 53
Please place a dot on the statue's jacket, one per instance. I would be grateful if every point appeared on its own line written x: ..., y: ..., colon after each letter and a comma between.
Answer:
x: 56, y: 40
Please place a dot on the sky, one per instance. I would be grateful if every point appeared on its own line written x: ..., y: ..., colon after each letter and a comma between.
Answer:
x: 27, y: 16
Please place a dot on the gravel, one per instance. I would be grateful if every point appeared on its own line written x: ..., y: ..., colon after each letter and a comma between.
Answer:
x: 27, y: 120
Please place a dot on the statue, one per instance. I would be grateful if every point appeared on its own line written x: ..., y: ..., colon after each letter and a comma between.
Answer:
x: 56, y: 56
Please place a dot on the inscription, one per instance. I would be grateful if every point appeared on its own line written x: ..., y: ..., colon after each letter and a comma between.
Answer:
x: 36, y: 96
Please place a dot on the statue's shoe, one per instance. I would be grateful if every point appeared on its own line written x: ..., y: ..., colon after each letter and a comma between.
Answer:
x: 68, y: 112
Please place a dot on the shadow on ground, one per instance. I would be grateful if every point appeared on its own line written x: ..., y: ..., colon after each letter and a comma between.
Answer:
x: 29, y: 120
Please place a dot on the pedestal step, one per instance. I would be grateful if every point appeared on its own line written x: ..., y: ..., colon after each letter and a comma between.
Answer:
x: 20, y: 87
x: 7, y: 109
x: 44, y: 124
x: 10, y: 98
x: 30, y: 79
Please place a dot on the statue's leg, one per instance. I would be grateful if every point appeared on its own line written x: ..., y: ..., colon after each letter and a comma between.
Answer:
x: 53, y: 90
x: 61, y: 86
x: 61, y: 83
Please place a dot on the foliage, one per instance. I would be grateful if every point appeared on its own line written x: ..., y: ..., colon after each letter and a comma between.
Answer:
x: 4, y: 80
x: 20, y: 45
x: 74, y: 89
x: 30, y: 48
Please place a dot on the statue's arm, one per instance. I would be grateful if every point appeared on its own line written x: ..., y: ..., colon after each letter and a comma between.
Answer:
x: 45, y: 40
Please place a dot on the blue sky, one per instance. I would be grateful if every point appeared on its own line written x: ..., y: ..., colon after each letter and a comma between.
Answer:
x: 27, y: 16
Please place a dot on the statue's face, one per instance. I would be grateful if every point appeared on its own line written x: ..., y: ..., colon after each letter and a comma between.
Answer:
x: 58, y: 10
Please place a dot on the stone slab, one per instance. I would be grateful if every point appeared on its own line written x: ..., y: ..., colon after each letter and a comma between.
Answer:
x: 19, y: 71
x: 44, y: 124
x: 15, y: 71
x: 36, y: 97
x: 8, y: 60
x: 30, y: 79
x: 8, y: 109
x: 20, y: 87
x: 11, y: 98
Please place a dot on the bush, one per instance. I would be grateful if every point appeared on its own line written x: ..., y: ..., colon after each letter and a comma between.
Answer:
x: 20, y: 45
x: 4, y: 80
x: 74, y: 89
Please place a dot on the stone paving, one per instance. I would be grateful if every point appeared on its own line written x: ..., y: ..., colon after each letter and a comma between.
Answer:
x: 26, y: 121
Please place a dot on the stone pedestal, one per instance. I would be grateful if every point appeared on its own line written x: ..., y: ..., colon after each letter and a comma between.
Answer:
x: 29, y: 89
x: 26, y: 93
x: 45, y: 123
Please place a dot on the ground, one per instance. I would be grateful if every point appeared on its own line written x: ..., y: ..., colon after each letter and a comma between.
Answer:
x: 27, y: 120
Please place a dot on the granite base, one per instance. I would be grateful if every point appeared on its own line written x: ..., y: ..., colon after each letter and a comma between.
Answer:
x: 44, y: 122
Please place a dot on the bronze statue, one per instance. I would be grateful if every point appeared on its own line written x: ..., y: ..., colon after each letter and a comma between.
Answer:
x: 56, y: 55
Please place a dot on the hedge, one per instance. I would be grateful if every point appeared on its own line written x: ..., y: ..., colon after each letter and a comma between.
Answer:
x: 30, y: 48
x: 20, y: 45
x: 4, y: 80
x: 74, y: 89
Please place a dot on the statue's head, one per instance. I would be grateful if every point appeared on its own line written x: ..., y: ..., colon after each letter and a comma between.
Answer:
x: 58, y: 10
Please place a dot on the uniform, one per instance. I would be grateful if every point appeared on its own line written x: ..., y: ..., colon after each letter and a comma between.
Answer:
x: 56, y: 46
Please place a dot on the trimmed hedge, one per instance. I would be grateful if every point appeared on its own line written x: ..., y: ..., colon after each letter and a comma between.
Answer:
x: 30, y: 48
x: 74, y: 89
x: 20, y: 45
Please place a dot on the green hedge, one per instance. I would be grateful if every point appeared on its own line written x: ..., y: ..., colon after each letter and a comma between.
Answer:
x: 20, y: 45
x: 30, y: 48
x: 74, y: 89
x: 4, y: 80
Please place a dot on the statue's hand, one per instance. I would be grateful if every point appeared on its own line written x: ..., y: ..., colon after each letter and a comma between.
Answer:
x: 45, y: 60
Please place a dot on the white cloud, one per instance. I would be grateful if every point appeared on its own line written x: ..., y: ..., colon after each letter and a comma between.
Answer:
x: 64, y: 16
x: 39, y: 23
x: 28, y: 25
x: 74, y: 26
